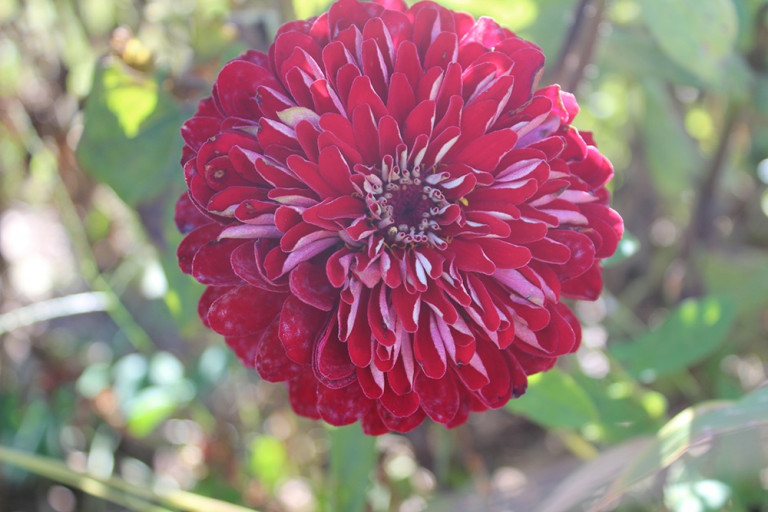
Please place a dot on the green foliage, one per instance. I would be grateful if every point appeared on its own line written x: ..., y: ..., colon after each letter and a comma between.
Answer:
x: 624, y: 410
x: 554, y: 399
x: 692, y: 332
x: 688, y: 444
x: 130, y: 141
x: 676, y: 94
x: 709, y: 36
x: 352, y: 458
x: 268, y: 460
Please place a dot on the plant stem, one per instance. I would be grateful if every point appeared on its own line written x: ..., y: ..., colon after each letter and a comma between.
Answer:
x: 578, y: 46
x: 57, y: 471
x: 89, y: 269
x: 115, y: 489
x: 699, y: 229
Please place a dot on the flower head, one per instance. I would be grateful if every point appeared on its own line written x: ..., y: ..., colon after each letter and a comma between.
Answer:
x: 387, y: 213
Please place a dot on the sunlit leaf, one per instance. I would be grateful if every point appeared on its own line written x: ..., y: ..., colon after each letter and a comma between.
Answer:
x: 623, y: 409
x: 604, y: 480
x: 165, y: 369
x: 628, y: 247
x: 353, y: 455
x: 698, y: 34
x: 307, y: 8
x: 131, y: 136
x: 150, y: 407
x: 555, y: 399
x: 671, y: 155
x: 692, y: 332
x: 268, y: 460
x: 116, y: 490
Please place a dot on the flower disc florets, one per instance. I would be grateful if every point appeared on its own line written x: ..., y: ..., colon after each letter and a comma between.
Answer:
x: 387, y: 214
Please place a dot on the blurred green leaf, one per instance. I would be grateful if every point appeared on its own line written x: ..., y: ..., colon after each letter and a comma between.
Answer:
x: 692, y: 332
x: 647, y: 59
x: 165, y: 369
x: 670, y: 152
x: 149, y: 408
x: 131, y: 136
x: 694, y: 427
x: 117, y: 490
x: 623, y: 408
x: 603, y: 481
x: 353, y: 456
x: 268, y: 460
x: 307, y: 8
x: 698, y: 34
x: 98, y: 16
x: 555, y: 399
x: 628, y: 247
x: 94, y: 379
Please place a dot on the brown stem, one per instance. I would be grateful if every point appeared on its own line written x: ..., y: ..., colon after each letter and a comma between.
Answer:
x: 570, y: 39
x: 699, y: 229
x: 588, y: 47
x: 578, y: 45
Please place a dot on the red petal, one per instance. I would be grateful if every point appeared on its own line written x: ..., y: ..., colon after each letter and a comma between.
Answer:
x: 309, y: 283
x: 236, y: 88
x: 470, y: 257
x: 439, y: 397
x: 504, y: 254
x: 208, y: 297
x: 401, y: 425
x: 372, y: 424
x: 362, y: 92
x: 211, y: 263
x: 270, y: 360
x: 331, y: 359
x: 419, y: 121
x: 246, y: 348
x: 245, y: 263
x: 335, y: 171
x: 193, y: 242
x: 399, y: 405
x: 300, y: 326
x: 582, y: 253
x: 244, y: 310
x: 341, y: 406
x: 302, y: 391
x: 485, y: 152
x: 427, y: 350
x: 365, y: 134
x: 498, y: 391
x: 585, y: 287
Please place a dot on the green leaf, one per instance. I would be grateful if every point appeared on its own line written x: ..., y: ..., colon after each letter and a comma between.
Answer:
x: 603, y: 481
x: 353, y: 456
x: 117, y: 490
x: 647, y: 59
x: 624, y: 409
x: 670, y: 152
x: 698, y: 34
x: 690, y: 334
x: 149, y: 408
x: 628, y: 247
x: 307, y: 8
x: 268, y: 460
x: 555, y: 399
x: 131, y: 136
x: 694, y: 427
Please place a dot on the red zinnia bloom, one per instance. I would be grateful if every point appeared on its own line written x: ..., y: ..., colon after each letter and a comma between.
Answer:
x: 387, y: 214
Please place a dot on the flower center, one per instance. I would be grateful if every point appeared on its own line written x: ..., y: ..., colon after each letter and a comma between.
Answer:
x: 410, y: 205
x: 406, y: 206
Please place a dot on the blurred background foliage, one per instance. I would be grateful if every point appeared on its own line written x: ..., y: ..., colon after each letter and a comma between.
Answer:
x: 113, y: 396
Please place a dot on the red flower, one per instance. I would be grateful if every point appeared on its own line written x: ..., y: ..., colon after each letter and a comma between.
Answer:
x: 387, y: 217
